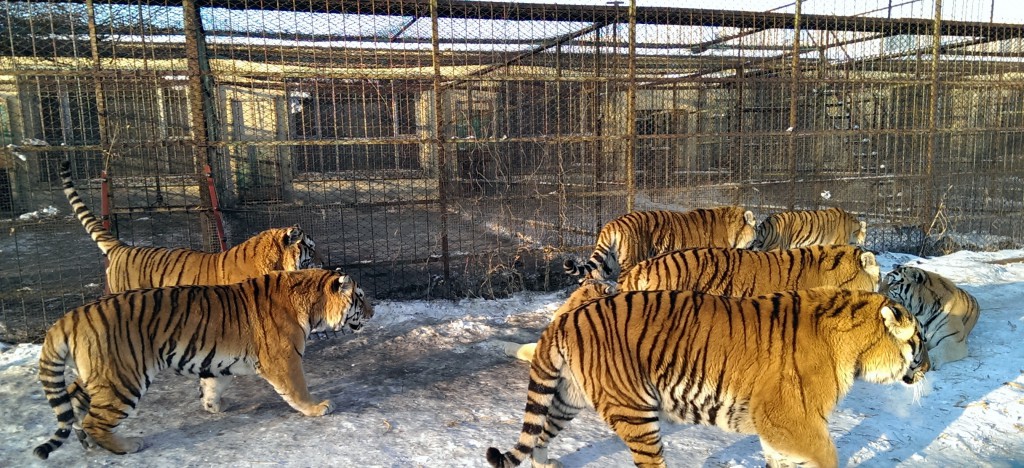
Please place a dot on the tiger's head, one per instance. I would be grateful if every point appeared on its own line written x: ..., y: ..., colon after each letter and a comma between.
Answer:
x: 903, y: 356
x: 858, y: 232
x: 343, y: 303
x: 298, y: 250
x: 899, y: 280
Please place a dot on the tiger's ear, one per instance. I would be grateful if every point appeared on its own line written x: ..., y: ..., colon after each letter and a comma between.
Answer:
x: 894, y: 319
x: 610, y: 287
x: 867, y: 259
x: 293, y: 235
x: 748, y: 216
x: 343, y: 284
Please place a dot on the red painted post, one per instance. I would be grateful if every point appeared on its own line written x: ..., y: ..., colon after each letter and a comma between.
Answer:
x: 216, y: 207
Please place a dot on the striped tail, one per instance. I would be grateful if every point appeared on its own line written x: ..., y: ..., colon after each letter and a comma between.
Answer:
x: 51, y: 374
x: 602, y: 261
x: 103, y: 238
x: 541, y: 393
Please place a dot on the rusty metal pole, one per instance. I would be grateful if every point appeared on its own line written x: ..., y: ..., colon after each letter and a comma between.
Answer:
x: 201, y: 114
x: 631, y: 113
x: 101, y: 102
x: 794, y: 88
x: 439, y: 142
x: 928, y: 210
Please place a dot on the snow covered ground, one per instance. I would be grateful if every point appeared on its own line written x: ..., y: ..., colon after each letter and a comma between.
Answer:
x: 422, y: 386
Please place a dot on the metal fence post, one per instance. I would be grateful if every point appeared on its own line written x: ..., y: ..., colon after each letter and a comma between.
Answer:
x: 933, y: 105
x: 439, y: 142
x: 794, y: 88
x: 201, y: 112
x: 101, y: 102
x: 631, y: 113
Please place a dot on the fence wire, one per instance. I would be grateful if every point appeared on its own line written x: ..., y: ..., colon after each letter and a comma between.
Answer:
x: 439, y: 149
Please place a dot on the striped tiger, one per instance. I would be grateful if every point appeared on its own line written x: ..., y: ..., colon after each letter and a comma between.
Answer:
x: 129, y: 267
x: 773, y: 365
x: 633, y: 237
x: 119, y: 343
x: 791, y: 229
x: 947, y: 313
x: 734, y: 272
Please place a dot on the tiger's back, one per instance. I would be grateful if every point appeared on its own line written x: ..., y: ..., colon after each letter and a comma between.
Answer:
x: 741, y: 272
x: 129, y: 267
x: 792, y: 229
x: 947, y: 312
x: 119, y: 343
x: 633, y: 237
x: 773, y: 365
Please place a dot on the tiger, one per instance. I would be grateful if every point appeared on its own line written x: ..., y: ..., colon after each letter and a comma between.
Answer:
x: 734, y: 272
x: 119, y: 343
x: 791, y: 229
x: 773, y: 365
x: 633, y: 237
x: 947, y: 313
x: 130, y: 267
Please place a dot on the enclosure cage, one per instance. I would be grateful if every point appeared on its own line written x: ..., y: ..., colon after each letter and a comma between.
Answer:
x: 441, y: 149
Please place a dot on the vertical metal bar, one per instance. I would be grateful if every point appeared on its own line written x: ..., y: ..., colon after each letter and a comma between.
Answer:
x: 105, y: 219
x: 933, y: 106
x: 196, y: 92
x: 101, y: 102
x: 631, y: 113
x: 598, y: 120
x: 738, y: 141
x: 439, y: 141
x: 559, y: 130
x: 200, y: 111
x: 794, y: 88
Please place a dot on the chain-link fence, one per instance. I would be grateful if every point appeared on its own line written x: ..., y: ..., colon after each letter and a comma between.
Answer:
x: 451, y: 148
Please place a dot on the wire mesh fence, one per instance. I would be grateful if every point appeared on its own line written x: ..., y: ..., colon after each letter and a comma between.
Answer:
x: 454, y: 148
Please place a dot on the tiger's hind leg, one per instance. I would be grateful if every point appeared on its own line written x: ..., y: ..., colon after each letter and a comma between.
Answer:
x: 565, y: 405
x: 212, y: 388
x: 80, y: 404
x: 110, y: 403
x: 640, y: 429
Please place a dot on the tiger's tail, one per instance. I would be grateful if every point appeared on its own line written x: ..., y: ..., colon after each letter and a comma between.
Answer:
x: 545, y: 373
x: 604, y: 260
x: 52, y: 362
x: 100, y: 235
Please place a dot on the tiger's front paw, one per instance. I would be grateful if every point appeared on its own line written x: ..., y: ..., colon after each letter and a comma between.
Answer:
x: 325, y: 407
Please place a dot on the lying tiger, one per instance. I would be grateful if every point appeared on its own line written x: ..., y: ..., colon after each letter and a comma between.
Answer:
x: 732, y: 272
x: 631, y: 238
x: 119, y: 343
x: 792, y: 229
x: 128, y: 267
x: 947, y: 313
x: 773, y: 365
